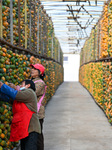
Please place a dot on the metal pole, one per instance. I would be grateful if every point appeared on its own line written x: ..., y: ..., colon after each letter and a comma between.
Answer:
x: 84, y: 54
x: 43, y: 33
x: 55, y: 47
x: 58, y: 53
x: 11, y: 21
x: 43, y: 47
x: 19, y: 31
x: 1, y: 19
x: 34, y: 27
x: 94, y: 42
x: 97, y: 43
x: 26, y: 24
x: 99, y: 39
x: 52, y: 45
x: 38, y: 30
x: 30, y: 26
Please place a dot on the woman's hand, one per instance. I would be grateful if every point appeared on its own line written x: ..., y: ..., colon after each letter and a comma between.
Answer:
x: 12, y: 85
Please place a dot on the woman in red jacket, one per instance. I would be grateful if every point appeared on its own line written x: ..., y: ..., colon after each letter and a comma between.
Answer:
x: 25, y: 123
x: 37, y: 74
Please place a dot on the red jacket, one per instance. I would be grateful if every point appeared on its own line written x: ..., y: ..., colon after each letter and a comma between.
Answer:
x: 20, y: 121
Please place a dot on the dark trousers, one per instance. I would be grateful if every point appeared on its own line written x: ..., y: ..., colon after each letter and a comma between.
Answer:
x: 41, y: 137
x: 30, y: 142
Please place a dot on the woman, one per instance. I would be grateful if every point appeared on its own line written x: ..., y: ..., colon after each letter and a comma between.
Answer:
x: 24, y: 114
x: 37, y: 74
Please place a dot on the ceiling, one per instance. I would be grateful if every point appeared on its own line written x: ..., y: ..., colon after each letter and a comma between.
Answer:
x: 73, y: 21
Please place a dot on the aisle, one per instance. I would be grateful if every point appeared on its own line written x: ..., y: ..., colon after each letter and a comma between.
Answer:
x: 74, y: 121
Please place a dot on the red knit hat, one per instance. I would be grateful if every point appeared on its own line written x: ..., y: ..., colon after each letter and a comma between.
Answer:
x: 39, y: 67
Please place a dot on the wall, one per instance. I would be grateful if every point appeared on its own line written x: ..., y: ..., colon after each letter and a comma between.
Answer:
x: 71, y: 67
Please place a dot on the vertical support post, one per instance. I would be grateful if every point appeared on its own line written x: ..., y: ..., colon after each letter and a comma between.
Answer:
x: 11, y: 21
x: 108, y: 28
x: 34, y: 27
x: 58, y: 53
x: 26, y: 24
x: 19, y: 31
x: 45, y: 51
x: 52, y: 45
x: 43, y: 23
x: 99, y: 39
x: 91, y: 49
x: 1, y: 34
x: 83, y: 55
x: 38, y: 30
x: 55, y: 47
x: 97, y: 44
x: 94, y: 42
x: 30, y: 26
x: 43, y: 48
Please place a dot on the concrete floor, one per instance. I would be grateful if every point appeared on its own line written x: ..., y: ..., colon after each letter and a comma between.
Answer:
x: 74, y: 122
